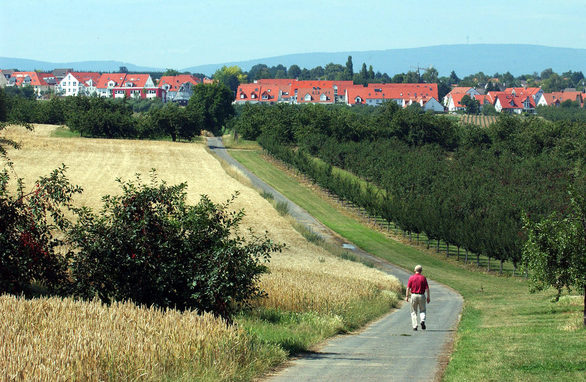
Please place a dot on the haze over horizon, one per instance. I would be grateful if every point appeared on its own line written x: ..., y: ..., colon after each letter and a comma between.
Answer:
x: 177, y: 34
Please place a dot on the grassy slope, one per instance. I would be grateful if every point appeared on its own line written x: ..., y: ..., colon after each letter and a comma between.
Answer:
x: 505, y: 334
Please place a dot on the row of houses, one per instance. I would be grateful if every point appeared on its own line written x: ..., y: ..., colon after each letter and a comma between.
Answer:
x: 272, y: 91
x: 512, y: 100
x: 110, y: 85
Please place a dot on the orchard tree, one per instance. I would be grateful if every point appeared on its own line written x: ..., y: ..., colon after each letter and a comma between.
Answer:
x: 212, y: 105
x: 554, y: 253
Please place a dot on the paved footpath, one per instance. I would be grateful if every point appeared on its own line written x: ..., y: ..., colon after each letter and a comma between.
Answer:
x: 386, y: 350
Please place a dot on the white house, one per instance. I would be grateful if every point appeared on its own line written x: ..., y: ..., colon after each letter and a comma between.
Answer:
x: 78, y: 83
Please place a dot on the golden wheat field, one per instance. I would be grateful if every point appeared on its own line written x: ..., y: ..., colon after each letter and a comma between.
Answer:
x: 304, y: 277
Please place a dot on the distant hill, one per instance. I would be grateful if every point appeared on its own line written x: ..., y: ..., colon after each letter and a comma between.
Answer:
x: 89, y: 66
x: 463, y: 59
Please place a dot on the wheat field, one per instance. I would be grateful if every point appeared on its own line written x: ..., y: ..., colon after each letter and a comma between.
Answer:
x: 304, y: 277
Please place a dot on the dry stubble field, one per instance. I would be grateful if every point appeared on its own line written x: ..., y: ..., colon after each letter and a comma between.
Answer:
x: 304, y: 277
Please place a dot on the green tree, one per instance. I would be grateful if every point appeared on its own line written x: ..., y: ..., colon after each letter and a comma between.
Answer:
x: 171, y: 72
x: 472, y: 104
x: 150, y: 246
x: 212, y: 105
x: 454, y: 79
x: 231, y: 76
x: 294, y: 71
x: 555, y: 248
x: 349, y: 70
x: 430, y: 76
x: 371, y: 74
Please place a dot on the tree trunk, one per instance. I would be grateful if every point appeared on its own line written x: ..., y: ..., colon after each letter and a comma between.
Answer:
x: 465, y: 256
x: 417, y: 238
x: 501, y: 269
x: 447, y: 250
x: 458, y: 253
x: 477, y: 260
x: 437, y: 248
x: 489, y: 263
x: 584, y: 304
x: 428, y: 243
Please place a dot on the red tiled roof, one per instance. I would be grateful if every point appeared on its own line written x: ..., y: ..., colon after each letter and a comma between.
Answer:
x: 84, y: 77
x: 523, y: 91
x: 509, y: 101
x: 275, y: 81
x: 175, y: 82
x: 36, y: 80
x: 459, y: 90
x: 137, y: 80
x: 118, y: 78
x: 316, y: 93
x: 248, y: 92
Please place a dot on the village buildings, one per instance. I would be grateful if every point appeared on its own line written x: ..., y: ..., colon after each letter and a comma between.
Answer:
x: 179, y: 88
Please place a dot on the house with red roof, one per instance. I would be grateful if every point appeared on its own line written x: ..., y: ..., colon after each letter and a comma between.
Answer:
x: 261, y: 93
x: 78, y: 83
x: 403, y: 94
x: 138, y: 86
x: 107, y: 82
x: 40, y: 82
x: 179, y: 88
x: 514, y: 104
x: 316, y: 94
x: 338, y: 88
x: 453, y: 100
x: 556, y: 98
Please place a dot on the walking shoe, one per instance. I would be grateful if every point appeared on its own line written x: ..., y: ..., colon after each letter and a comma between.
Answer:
x: 422, y: 325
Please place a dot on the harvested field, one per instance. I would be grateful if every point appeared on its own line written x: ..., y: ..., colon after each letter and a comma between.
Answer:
x: 304, y: 277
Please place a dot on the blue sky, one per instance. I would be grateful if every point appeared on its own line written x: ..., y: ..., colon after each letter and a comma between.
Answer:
x: 178, y: 34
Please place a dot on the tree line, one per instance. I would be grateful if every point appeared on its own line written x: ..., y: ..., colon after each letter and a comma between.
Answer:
x: 466, y: 185
x: 208, y: 109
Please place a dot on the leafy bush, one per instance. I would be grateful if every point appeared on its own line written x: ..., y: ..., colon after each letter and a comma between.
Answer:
x: 148, y: 245
x: 27, y: 240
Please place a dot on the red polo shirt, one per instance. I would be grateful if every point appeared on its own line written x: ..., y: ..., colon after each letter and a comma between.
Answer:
x: 417, y: 284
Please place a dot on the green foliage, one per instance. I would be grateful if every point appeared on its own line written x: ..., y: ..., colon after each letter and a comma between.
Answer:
x: 212, y: 105
x: 467, y: 186
x: 472, y: 105
x: 100, y: 117
x: 3, y: 105
x: 230, y: 76
x: 172, y: 120
x: 555, y: 248
x: 148, y: 245
x: 29, y: 222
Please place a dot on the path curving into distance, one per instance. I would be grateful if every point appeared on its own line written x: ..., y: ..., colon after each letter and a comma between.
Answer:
x: 386, y: 350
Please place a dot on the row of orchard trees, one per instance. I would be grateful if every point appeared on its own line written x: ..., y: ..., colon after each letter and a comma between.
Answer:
x: 209, y: 109
x: 465, y: 185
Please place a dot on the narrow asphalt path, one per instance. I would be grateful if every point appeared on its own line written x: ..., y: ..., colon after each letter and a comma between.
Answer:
x: 386, y: 350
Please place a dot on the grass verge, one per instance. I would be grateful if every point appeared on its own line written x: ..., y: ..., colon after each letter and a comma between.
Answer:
x: 506, y: 333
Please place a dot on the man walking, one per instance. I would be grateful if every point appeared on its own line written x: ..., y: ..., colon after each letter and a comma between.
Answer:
x: 416, y: 288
